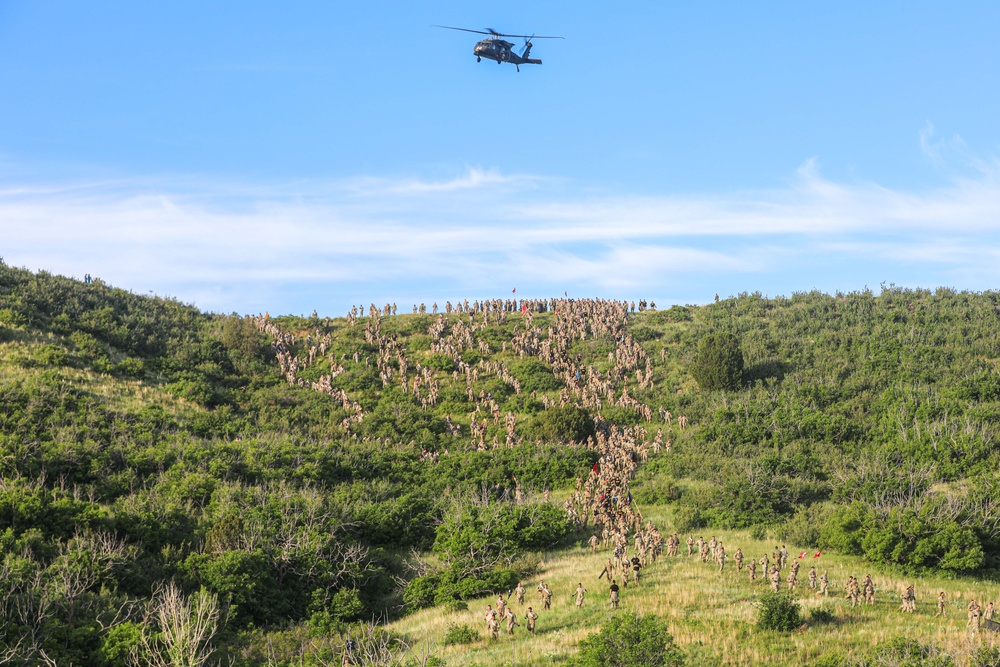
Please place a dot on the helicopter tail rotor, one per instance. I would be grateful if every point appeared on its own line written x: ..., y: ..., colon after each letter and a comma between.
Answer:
x: 527, y: 47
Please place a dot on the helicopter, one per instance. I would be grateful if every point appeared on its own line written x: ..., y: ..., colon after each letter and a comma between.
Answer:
x: 500, y: 50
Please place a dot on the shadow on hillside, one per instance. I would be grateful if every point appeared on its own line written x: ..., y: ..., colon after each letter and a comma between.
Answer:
x: 769, y: 368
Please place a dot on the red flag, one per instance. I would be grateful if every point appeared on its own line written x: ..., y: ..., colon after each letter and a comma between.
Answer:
x: 514, y: 291
x: 524, y: 308
x: 816, y: 555
x: 802, y: 555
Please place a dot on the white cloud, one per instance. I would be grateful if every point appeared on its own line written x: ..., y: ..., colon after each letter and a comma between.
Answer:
x: 229, y: 245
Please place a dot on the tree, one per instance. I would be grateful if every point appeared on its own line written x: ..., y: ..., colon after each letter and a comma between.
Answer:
x: 718, y: 363
x: 631, y: 641
x: 186, y: 626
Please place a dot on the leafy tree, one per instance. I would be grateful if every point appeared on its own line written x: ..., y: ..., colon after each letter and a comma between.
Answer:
x: 718, y: 363
x: 631, y: 641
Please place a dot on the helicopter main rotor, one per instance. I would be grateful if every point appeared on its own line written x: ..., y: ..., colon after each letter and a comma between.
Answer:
x: 494, y: 33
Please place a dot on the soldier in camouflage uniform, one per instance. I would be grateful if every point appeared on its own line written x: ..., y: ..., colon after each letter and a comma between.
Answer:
x: 738, y: 557
x: 942, y: 602
x: 824, y: 585
x: 531, y: 617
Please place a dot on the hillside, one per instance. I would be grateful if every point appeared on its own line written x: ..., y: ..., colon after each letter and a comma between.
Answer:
x: 296, y: 476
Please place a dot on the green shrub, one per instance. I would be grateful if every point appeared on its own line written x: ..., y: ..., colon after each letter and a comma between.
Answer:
x: 778, y: 611
x: 130, y: 367
x: 12, y: 317
x: 460, y: 634
x: 985, y: 656
x: 631, y: 641
x: 534, y: 376
x: 687, y: 518
x: 419, y: 592
x: 565, y: 423
x: 50, y: 355
x: 440, y: 361
x: 908, y: 653
x: 758, y: 532
x: 118, y: 645
x: 655, y: 491
x: 718, y: 363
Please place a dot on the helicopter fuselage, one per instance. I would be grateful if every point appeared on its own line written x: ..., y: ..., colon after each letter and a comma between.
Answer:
x: 502, y: 51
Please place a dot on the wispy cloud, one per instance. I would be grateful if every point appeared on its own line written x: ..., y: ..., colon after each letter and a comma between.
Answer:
x: 252, y: 246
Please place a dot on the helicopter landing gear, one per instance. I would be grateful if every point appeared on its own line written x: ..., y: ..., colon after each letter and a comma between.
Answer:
x: 479, y: 59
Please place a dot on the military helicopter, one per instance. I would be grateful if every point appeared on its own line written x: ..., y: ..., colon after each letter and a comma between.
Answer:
x: 500, y: 50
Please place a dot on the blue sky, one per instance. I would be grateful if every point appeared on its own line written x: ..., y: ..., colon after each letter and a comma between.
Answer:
x: 250, y: 156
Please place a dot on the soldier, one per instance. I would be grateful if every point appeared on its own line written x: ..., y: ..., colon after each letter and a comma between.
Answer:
x: 636, y: 566
x: 783, y: 557
x: 501, y: 607
x: 613, y: 594
x: 753, y: 570
x: 909, y: 600
x: 531, y: 617
x: 824, y: 585
x: 868, y: 590
x: 580, y: 592
x: 793, y: 576
x: 690, y: 543
x: 546, y: 594
x: 511, y: 621
x: 593, y: 543
x: 974, y: 613
x: 775, y: 578
x: 941, y: 603
x: 988, y: 614
x: 812, y: 577
x: 720, y: 556
x: 713, y: 544
x: 765, y: 566
x: 738, y: 557
x: 492, y: 626
x: 519, y: 592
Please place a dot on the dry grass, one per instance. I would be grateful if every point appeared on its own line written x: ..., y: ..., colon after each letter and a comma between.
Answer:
x: 711, y: 615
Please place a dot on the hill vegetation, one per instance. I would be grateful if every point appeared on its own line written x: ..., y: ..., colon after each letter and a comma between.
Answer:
x: 288, y: 479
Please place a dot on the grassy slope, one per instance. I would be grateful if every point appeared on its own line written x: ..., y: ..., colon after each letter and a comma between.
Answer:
x: 711, y: 616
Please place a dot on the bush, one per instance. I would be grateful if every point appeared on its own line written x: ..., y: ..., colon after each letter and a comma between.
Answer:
x: 778, y: 611
x: 631, y: 641
x: 985, y: 656
x: 687, y: 518
x: 130, y: 367
x: 718, y: 363
x: 565, y: 423
x: 50, y: 355
x: 908, y: 653
x: 534, y: 376
x: 460, y: 634
x: 440, y: 361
